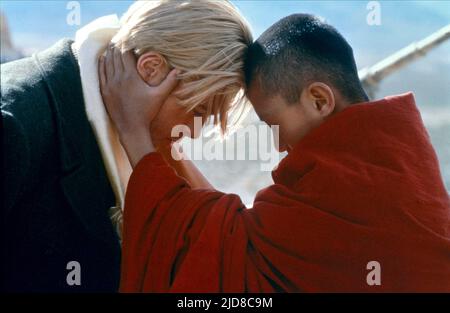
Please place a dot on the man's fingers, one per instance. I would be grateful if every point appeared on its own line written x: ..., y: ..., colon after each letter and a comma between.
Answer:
x: 101, y: 71
x: 128, y: 59
x: 117, y: 56
x: 109, y: 63
x: 168, y: 84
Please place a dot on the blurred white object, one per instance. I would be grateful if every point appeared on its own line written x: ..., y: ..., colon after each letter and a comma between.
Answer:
x: 7, y: 50
x: 372, y: 76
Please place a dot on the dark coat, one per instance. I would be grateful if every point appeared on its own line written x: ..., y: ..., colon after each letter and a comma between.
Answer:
x: 55, y: 191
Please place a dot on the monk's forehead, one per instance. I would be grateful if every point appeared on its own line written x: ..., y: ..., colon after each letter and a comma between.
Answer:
x: 264, y: 103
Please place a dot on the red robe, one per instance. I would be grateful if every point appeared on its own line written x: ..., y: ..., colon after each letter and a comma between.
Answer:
x: 364, y: 186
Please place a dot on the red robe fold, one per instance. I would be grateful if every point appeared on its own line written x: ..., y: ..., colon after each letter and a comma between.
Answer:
x: 364, y: 186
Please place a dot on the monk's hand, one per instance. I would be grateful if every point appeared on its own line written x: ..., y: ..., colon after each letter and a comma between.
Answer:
x: 131, y: 103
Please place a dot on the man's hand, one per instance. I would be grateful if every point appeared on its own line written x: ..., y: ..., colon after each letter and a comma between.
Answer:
x: 130, y: 102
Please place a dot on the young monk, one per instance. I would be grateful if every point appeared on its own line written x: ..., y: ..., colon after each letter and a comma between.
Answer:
x: 357, y: 205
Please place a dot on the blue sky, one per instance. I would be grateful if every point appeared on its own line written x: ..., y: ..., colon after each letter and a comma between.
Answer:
x: 37, y: 24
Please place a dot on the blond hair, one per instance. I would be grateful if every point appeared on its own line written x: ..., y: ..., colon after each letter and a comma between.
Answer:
x: 206, y: 39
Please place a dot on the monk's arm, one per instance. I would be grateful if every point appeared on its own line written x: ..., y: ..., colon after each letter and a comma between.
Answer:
x: 184, y: 168
x: 159, y: 214
x: 179, y: 239
x: 138, y: 143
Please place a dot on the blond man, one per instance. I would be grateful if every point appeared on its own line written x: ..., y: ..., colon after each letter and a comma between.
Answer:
x: 64, y: 171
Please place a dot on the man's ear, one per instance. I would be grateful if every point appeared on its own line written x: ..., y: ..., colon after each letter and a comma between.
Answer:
x: 322, y: 98
x: 152, y: 67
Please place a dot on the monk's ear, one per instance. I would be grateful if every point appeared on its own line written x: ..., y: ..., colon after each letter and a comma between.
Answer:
x: 321, y: 98
x: 152, y: 67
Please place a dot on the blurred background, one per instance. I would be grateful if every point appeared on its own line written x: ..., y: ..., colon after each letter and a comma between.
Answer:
x: 31, y: 26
